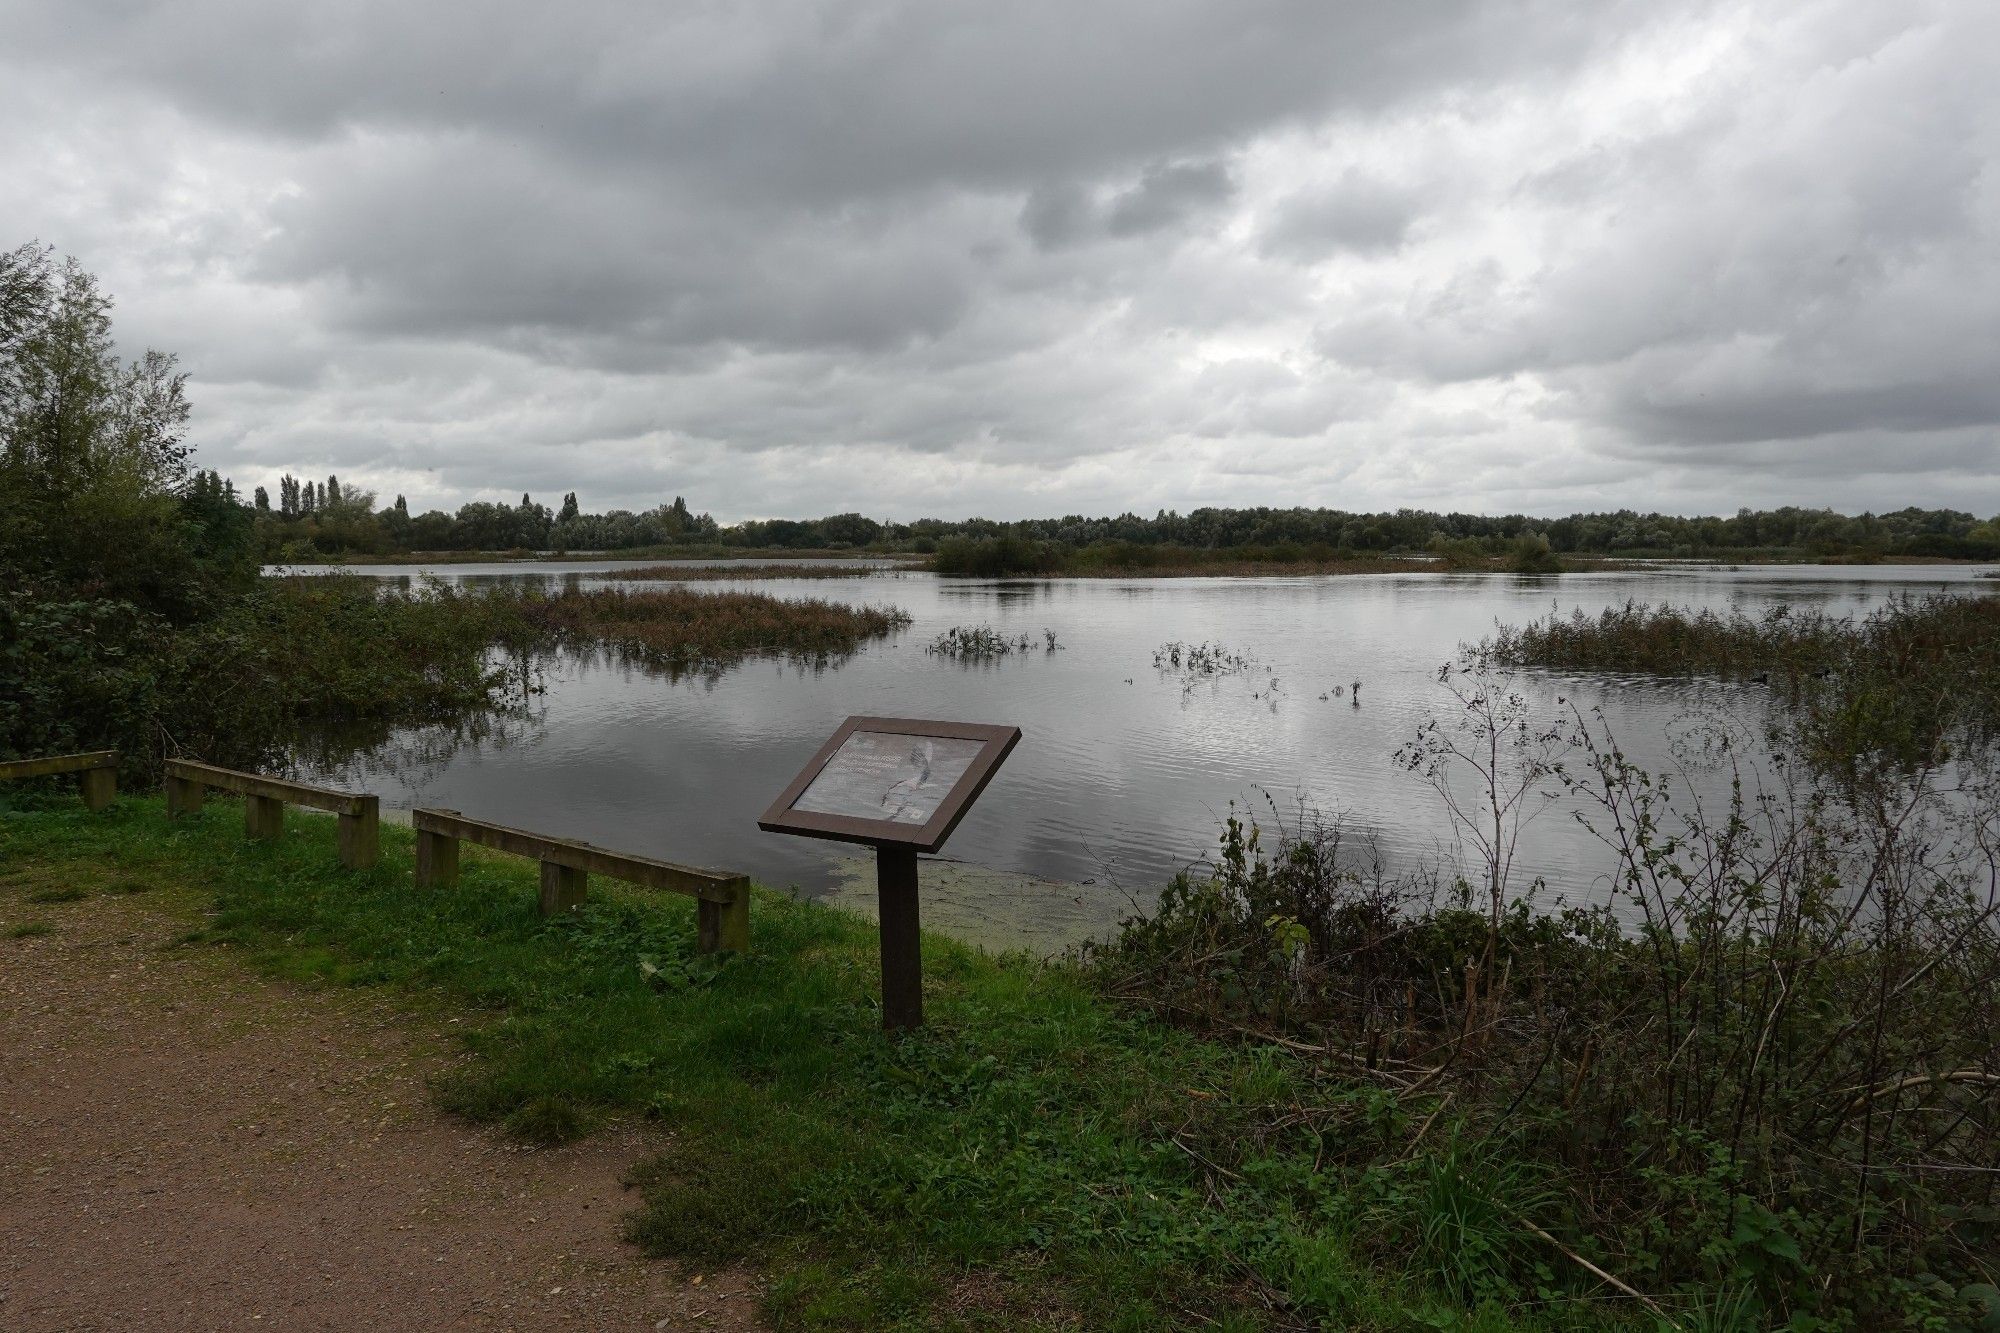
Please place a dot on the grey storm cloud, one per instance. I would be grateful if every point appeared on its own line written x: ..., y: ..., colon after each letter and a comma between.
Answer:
x: 793, y: 257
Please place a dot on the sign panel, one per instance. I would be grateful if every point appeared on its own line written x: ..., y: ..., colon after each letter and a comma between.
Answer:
x: 891, y: 781
x: 882, y: 775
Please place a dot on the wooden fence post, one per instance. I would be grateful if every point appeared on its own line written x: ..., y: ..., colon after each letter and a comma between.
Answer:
x: 437, y: 860
x: 183, y: 797
x: 902, y: 958
x: 361, y: 834
x: 100, y: 787
x: 724, y: 925
x: 563, y: 888
x: 263, y: 817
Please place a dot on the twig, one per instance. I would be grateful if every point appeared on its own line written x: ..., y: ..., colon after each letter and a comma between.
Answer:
x: 1219, y: 1170
x: 1425, y: 1128
x: 1917, y: 1081
x: 1625, y: 1287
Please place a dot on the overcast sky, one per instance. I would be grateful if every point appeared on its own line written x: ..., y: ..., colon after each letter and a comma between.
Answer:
x: 1027, y: 258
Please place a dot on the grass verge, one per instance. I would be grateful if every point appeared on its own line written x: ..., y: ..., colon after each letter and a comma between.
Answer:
x: 1035, y: 1158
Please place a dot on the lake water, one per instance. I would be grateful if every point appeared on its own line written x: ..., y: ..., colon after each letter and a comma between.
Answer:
x: 1124, y: 772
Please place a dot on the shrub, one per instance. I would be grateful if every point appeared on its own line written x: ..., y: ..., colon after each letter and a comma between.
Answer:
x: 995, y: 557
x: 1771, y: 1072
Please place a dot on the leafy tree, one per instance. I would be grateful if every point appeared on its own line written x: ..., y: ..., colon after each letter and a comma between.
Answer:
x: 95, y: 495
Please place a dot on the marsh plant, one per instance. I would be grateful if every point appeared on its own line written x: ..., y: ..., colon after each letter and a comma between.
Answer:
x: 1199, y: 661
x: 291, y: 656
x: 1763, y: 1071
x: 981, y: 643
x: 1897, y: 692
x: 692, y: 629
x: 697, y: 573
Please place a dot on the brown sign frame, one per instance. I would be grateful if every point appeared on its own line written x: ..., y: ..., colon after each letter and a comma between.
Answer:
x: 996, y: 743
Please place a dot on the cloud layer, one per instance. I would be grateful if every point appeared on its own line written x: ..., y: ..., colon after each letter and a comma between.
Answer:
x: 943, y: 258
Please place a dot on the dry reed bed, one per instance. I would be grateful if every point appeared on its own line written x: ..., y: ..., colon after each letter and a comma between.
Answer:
x: 692, y: 628
x: 722, y: 573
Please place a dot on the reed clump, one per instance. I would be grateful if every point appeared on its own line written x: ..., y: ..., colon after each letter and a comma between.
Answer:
x: 689, y: 628
x: 693, y: 573
x: 980, y: 643
x: 1199, y: 661
x: 1916, y: 679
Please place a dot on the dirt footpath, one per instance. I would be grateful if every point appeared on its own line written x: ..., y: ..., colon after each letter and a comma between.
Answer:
x: 186, y: 1146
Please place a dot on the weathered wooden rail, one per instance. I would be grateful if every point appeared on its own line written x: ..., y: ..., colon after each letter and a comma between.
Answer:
x: 265, y: 799
x: 97, y: 772
x: 723, y: 899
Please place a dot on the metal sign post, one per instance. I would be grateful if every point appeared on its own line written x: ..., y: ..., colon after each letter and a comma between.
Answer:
x: 900, y: 785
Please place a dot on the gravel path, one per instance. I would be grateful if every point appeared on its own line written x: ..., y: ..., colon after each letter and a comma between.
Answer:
x: 186, y: 1146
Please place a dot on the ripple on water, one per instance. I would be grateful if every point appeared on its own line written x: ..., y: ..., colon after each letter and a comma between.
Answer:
x: 1113, y: 781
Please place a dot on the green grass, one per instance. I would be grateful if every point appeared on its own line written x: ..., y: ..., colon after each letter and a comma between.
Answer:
x: 27, y: 930
x: 1036, y: 1157
x: 70, y: 894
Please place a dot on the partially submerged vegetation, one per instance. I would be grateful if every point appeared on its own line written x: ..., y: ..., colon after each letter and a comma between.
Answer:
x: 1916, y: 679
x: 687, y: 572
x: 1756, y: 1086
x: 686, y: 629
x: 1190, y: 662
x: 981, y: 643
x: 239, y: 684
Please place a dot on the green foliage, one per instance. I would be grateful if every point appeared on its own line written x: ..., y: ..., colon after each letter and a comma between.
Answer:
x: 70, y: 894
x: 1532, y: 554
x: 233, y: 687
x: 1458, y: 1212
x: 1528, y: 552
x: 1034, y: 1158
x: 994, y: 557
x: 1805, y: 982
x: 1321, y: 536
x: 240, y: 684
x: 95, y: 497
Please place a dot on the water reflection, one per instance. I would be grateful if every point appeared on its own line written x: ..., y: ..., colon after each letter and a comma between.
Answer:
x: 1122, y: 777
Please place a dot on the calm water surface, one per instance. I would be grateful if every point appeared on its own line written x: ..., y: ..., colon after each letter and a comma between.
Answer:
x: 1123, y: 773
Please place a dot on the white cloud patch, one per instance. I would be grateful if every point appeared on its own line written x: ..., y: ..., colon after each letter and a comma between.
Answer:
x: 954, y: 258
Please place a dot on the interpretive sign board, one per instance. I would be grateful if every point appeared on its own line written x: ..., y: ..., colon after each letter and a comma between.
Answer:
x: 901, y: 785
x: 885, y: 780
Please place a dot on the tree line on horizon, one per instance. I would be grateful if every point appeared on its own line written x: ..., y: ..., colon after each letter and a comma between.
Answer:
x: 323, y: 519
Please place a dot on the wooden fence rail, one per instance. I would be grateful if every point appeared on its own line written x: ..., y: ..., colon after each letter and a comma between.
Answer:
x: 722, y: 899
x: 97, y: 772
x: 265, y: 800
